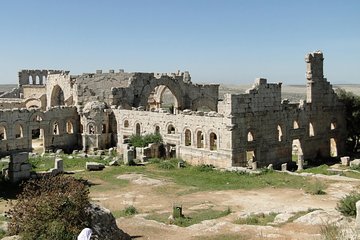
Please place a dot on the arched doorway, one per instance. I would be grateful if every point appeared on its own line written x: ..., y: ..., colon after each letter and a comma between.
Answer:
x: 162, y: 99
x: 57, y: 96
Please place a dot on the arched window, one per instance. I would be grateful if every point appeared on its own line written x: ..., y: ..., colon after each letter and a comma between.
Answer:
x: 280, y: 134
x: 199, y: 139
x: 44, y: 80
x: 126, y: 123
x: 37, y: 80
x: 37, y: 118
x: 91, y: 128
x: 138, y: 129
x: 69, y: 127
x: 311, y: 130
x: 157, y: 129
x: 332, y: 126
x: 103, y: 128
x: 56, y: 128
x: 18, y: 131
x: 171, y: 129
x: 296, y: 125
x: 187, y: 137
x: 250, y: 137
x: 2, y: 132
x: 213, y: 141
x: 333, y: 148
x: 57, y: 96
x: 31, y: 80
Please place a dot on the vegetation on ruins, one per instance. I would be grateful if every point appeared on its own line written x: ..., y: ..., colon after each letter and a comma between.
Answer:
x: 144, y: 140
x: 50, y: 208
x: 257, y: 219
x: 352, y: 116
x: 347, y: 205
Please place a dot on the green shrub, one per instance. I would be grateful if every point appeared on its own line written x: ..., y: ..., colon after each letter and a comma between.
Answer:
x: 144, y: 140
x: 50, y: 208
x: 317, y: 188
x: 167, y: 164
x: 257, y: 219
x: 347, y: 205
x: 205, y: 168
x: 130, y: 210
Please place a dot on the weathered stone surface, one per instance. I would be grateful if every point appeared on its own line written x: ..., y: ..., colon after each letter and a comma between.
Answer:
x: 94, y: 166
x: 114, y: 163
x: 355, y: 163
x: 104, y: 225
x: 284, y: 167
x: 345, y: 161
x: 357, y: 221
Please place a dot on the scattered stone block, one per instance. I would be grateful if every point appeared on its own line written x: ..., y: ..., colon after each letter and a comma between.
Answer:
x: 114, y: 163
x: 345, y: 161
x: 355, y: 163
x: 284, y: 167
x: 94, y: 166
x: 270, y: 167
x: 59, y: 151
x: 59, y: 164
x: 75, y: 152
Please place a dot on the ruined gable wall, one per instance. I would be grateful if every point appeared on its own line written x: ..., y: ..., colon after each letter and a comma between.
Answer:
x: 188, y: 95
x: 148, y: 121
x: 98, y: 86
x: 61, y: 79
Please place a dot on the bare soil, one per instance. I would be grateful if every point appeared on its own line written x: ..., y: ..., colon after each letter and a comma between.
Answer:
x: 157, y: 196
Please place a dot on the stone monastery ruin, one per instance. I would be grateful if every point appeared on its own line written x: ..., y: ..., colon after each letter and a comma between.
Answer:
x: 101, y: 110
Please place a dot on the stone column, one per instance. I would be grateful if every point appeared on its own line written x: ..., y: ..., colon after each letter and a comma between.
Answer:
x: 300, y: 162
x: 357, y: 220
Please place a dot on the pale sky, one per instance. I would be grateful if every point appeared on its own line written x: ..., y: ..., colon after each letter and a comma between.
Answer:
x: 218, y: 41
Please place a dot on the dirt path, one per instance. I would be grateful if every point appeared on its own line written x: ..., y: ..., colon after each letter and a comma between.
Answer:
x: 151, y: 195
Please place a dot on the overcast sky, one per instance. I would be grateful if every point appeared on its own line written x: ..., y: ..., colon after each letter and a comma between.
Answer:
x: 222, y: 41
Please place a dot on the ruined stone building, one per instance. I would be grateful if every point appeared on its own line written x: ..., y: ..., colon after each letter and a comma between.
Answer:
x: 101, y: 110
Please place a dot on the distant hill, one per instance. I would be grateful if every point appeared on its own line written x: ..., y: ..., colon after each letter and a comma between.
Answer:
x: 7, y: 87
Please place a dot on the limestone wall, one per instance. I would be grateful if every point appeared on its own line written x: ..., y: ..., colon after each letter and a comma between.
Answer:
x: 16, y: 126
x: 197, y: 147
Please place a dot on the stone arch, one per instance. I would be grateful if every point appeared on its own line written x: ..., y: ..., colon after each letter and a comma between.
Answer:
x: 213, y: 141
x: 200, y: 138
x: 280, y: 133
x: 157, y: 129
x: 295, y: 124
x: 170, y: 128
x: 137, y: 129
x: 91, y: 128
x: 187, y: 137
x: 18, y: 130
x: 3, y: 131
x: 250, y: 136
x: 204, y: 102
x: 57, y: 96
x: 69, y: 127
x: 55, y: 128
x: 173, y: 86
x: 33, y: 103
x: 311, y: 130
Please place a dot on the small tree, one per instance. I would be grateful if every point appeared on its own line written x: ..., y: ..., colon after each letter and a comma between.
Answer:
x: 143, y: 141
x: 50, y: 208
x: 352, y: 115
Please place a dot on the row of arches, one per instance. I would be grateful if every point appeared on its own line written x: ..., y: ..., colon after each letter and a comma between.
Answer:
x: 37, y: 80
x: 18, y: 131
x: 250, y: 135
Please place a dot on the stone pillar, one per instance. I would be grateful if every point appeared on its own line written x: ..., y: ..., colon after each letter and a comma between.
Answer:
x: 128, y: 156
x: 345, y: 161
x: 284, y: 167
x: 300, y: 162
x: 59, y: 164
x: 357, y: 220
x: 254, y: 165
